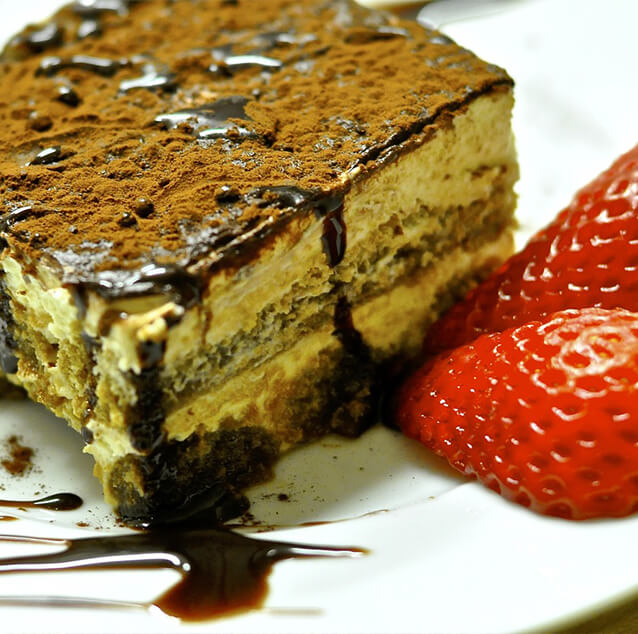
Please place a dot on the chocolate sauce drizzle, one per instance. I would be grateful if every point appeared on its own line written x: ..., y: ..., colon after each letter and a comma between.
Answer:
x: 95, y: 8
x: 152, y: 279
x: 48, y: 36
x: 55, y: 502
x: 222, y: 572
x: 212, y: 121
x: 334, y: 236
x: 48, y: 156
x: 367, y: 36
x: 51, y: 66
x: 8, y: 360
x: 68, y: 96
x: 345, y: 331
x: 152, y: 79
x: 15, y: 215
x: 228, y: 65
x: 328, y: 208
x: 275, y: 39
x: 89, y: 28
x: 281, y: 196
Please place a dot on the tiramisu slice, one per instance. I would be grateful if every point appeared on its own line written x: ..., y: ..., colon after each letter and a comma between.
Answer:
x: 220, y: 218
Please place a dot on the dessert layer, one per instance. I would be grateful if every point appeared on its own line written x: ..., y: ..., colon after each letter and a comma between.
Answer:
x: 223, y: 219
x: 276, y: 352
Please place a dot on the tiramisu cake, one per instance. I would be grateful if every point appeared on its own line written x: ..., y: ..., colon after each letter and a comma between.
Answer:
x: 221, y: 218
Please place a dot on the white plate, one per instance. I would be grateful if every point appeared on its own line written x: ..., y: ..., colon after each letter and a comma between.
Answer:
x: 446, y: 555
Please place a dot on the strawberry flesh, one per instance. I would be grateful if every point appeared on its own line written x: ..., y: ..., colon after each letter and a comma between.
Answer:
x: 545, y: 413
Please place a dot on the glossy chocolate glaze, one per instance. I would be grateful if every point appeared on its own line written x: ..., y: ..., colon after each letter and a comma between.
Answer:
x: 38, y: 40
x: 228, y: 64
x: 51, y: 66
x: 152, y: 79
x: 96, y: 8
x: 89, y: 28
x: 48, y: 155
x: 16, y: 215
x: 334, y: 236
x: 212, y: 120
x: 222, y: 572
x: 68, y: 96
x: 152, y: 279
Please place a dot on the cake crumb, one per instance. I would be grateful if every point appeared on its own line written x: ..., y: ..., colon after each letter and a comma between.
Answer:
x: 20, y: 460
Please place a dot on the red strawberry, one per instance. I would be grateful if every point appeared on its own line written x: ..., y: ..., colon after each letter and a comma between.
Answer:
x: 545, y: 413
x: 587, y: 257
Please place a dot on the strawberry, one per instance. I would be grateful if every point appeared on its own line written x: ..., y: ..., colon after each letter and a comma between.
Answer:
x: 587, y: 257
x: 545, y: 413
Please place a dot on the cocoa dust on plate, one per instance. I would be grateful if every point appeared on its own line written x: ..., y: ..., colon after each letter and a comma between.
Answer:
x: 20, y: 460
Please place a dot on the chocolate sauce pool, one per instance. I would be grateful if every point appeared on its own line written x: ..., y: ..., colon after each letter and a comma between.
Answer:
x: 222, y: 572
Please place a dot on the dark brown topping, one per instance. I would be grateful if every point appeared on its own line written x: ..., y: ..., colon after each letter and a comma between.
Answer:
x: 305, y: 97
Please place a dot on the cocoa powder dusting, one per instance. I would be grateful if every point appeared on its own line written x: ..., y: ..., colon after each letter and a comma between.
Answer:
x: 159, y: 136
x: 20, y: 457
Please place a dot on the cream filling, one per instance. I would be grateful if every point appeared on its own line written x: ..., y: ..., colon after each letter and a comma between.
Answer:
x: 458, y: 166
x: 256, y: 397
